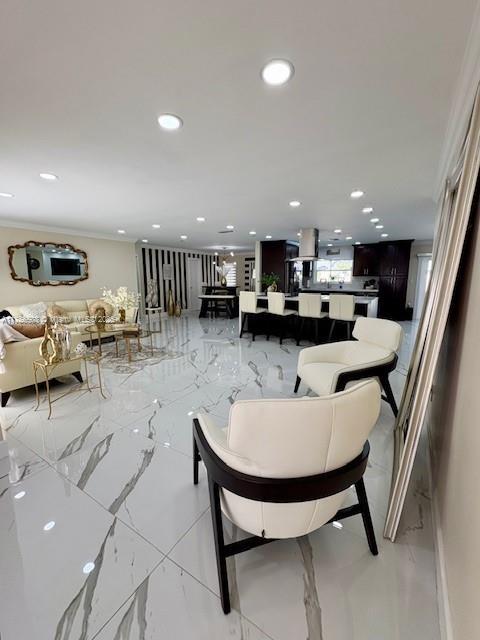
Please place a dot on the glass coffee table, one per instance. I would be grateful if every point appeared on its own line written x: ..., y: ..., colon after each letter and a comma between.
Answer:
x: 110, y: 329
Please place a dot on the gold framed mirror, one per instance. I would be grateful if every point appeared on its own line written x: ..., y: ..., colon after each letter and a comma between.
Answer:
x: 47, y: 263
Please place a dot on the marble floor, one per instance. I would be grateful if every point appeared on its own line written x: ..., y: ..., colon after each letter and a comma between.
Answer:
x: 103, y: 535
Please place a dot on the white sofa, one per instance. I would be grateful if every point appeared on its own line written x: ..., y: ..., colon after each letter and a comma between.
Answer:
x: 17, y: 364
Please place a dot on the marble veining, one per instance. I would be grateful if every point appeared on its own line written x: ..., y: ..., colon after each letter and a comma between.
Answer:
x: 130, y: 555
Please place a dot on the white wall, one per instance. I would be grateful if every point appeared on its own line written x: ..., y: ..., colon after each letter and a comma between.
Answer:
x: 111, y: 263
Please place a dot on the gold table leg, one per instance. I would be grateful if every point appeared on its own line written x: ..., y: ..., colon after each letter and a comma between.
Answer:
x: 37, y: 395
x: 47, y: 384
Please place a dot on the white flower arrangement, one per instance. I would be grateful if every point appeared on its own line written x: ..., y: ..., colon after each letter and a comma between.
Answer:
x: 121, y: 299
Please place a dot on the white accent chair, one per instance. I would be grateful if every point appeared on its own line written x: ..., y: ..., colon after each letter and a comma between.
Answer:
x: 276, y: 307
x: 310, y: 307
x: 341, y: 308
x: 248, y: 307
x: 328, y: 368
x: 283, y: 468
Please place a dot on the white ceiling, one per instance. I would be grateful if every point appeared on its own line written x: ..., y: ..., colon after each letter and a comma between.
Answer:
x: 82, y: 85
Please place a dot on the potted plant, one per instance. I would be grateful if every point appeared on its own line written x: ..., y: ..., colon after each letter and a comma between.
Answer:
x: 269, y: 281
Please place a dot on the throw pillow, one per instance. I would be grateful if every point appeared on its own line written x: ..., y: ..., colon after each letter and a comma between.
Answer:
x: 34, y: 312
x: 58, y: 313
x: 5, y: 314
x: 30, y: 330
x: 96, y: 304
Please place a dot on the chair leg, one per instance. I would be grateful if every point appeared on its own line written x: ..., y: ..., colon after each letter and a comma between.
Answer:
x: 367, y: 519
x: 332, y: 327
x: 349, y: 330
x: 244, y: 320
x: 282, y: 326
x: 219, y: 544
x: 297, y: 384
x: 196, y: 460
x: 5, y: 395
x: 78, y: 376
x: 301, y: 322
x: 389, y: 393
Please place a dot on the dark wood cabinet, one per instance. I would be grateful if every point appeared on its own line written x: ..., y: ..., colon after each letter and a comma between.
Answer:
x: 392, y: 295
x: 394, y: 258
x: 275, y: 254
x: 365, y: 260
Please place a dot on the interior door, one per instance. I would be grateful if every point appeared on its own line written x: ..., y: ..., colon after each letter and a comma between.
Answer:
x: 194, y: 283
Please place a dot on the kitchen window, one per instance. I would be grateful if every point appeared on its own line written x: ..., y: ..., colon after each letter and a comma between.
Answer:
x: 328, y: 270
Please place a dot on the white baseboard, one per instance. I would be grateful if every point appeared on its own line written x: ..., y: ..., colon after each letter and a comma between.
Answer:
x: 445, y: 620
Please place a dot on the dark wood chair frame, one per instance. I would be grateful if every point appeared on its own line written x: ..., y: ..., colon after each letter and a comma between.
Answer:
x: 277, y: 490
x: 348, y: 327
x: 282, y: 323
x: 251, y: 329
x: 302, y: 320
x: 379, y: 371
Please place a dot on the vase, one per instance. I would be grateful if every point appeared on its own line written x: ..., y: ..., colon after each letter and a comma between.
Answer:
x: 122, y: 315
x: 100, y: 318
x: 48, y: 348
x: 178, y: 309
x: 171, y: 304
x: 223, y: 281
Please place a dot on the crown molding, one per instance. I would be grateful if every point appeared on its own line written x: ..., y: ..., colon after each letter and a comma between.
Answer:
x: 15, y: 224
x: 462, y: 104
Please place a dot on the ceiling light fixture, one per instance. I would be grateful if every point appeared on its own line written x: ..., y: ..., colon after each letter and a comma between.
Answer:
x: 379, y: 226
x: 252, y: 233
x: 358, y: 242
x: 230, y: 227
x: 169, y: 121
x: 4, y: 194
x: 337, y: 231
x: 374, y: 220
x: 183, y: 237
x: 156, y: 226
x: 121, y: 231
x: 268, y: 237
x: 277, y: 72
x: 294, y: 203
x: 299, y: 234
x: 19, y: 495
x: 349, y: 238
x: 89, y: 567
x: 145, y: 240
x: 358, y: 193
x: 232, y: 254
x: 384, y: 235
x: 49, y: 525
x: 48, y: 176
x: 216, y: 253
x: 329, y: 244
x: 200, y: 219
x: 367, y: 210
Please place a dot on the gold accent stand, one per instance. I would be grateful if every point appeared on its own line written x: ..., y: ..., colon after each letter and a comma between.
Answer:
x: 49, y: 368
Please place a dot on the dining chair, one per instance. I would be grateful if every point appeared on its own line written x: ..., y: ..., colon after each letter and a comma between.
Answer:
x: 341, y: 308
x: 276, y: 307
x: 310, y: 308
x: 249, y: 310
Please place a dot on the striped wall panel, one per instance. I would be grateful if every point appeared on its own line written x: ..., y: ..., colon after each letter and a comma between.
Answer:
x: 249, y: 267
x: 160, y: 263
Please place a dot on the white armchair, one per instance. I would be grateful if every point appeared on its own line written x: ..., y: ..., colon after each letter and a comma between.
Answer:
x: 282, y: 468
x: 328, y: 368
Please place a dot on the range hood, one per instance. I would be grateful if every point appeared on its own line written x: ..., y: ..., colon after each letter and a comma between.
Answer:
x: 308, y: 250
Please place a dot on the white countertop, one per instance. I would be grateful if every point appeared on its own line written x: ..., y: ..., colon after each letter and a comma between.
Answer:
x: 326, y: 298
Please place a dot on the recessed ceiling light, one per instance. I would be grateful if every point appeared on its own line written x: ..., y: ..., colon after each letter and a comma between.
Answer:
x: 349, y: 238
x: 329, y: 244
x: 277, y: 72
x: 252, y: 233
x: 374, y: 220
x: 156, y: 226
x: 358, y: 242
x: 144, y: 240
x: 379, y: 226
x: 49, y: 526
x: 121, y: 231
x: 89, y: 567
x: 367, y: 210
x: 232, y: 254
x: 48, y: 176
x: 384, y: 235
x: 299, y: 234
x: 200, y: 219
x: 337, y: 231
x: 183, y: 237
x: 357, y: 193
x: 19, y: 495
x: 268, y: 237
x: 4, y: 194
x: 294, y: 203
x: 169, y: 121
x: 230, y: 227
x: 216, y: 253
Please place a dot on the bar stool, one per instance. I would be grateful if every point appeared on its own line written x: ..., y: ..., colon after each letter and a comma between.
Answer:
x: 248, y: 307
x: 310, y: 307
x: 276, y: 307
x: 341, y: 309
